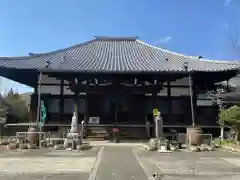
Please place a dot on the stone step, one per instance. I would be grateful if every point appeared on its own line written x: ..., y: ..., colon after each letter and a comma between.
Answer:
x: 124, y: 133
x: 96, y: 138
x: 98, y: 135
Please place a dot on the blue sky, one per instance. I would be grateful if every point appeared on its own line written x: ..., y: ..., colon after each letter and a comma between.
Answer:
x: 191, y: 27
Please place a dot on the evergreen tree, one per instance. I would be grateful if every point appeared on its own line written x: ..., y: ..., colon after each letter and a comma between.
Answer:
x: 231, y: 117
x: 13, y: 104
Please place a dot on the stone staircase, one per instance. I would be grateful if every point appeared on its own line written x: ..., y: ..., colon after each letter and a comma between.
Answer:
x: 97, y: 133
x: 102, y: 133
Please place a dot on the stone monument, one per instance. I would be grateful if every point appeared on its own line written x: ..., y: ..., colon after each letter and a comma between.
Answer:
x: 73, y: 137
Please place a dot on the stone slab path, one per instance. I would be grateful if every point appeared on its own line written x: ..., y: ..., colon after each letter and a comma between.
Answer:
x: 191, y: 166
x: 119, y: 163
x: 46, y: 164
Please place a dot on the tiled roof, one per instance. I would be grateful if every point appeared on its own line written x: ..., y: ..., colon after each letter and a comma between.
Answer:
x: 231, y: 96
x: 106, y: 54
x: 232, y: 84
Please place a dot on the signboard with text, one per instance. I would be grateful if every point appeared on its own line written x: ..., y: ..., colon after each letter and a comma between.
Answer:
x: 156, y: 112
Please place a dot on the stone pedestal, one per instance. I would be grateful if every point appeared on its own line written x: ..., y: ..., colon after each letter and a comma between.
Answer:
x: 194, y: 136
x: 72, y: 140
x: 73, y: 137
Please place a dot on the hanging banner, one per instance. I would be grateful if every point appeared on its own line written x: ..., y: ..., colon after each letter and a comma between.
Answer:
x: 43, y: 114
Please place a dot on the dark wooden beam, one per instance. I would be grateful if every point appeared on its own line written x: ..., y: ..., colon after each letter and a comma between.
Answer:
x: 115, y: 88
x: 120, y: 76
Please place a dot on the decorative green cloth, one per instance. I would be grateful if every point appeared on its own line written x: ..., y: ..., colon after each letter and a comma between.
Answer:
x: 43, y: 114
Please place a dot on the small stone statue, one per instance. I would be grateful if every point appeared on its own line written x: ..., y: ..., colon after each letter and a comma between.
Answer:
x: 74, y: 124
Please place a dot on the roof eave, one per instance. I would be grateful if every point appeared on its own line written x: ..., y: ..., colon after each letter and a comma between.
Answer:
x: 48, y: 70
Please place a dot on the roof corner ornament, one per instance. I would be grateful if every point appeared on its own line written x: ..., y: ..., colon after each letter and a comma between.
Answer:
x: 135, y: 81
x: 96, y: 81
x: 75, y: 80
x: 185, y: 66
x: 47, y: 64
x: 31, y: 54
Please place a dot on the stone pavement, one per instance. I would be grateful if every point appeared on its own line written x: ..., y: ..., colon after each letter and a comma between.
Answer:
x: 191, y: 166
x: 117, y: 162
x: 46, y: 164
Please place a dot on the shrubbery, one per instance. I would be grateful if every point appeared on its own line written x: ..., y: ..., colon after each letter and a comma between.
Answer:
x: 231, y: 118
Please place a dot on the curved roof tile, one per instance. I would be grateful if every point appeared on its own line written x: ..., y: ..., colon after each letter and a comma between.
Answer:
x: 107, y: 54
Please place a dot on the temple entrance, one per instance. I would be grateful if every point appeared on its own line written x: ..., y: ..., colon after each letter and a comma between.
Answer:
x: 128, y: 110
x: 117, y: 109
x: 120, y: 113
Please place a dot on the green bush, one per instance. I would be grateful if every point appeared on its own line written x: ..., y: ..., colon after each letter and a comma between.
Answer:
x: 231, y: 117
x: 15, y: 105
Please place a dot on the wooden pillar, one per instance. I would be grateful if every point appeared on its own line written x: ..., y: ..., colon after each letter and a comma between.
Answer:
x: 192, y: 99
x: 154, y: 105
x: 33, y: 105
x: 39, y: 97
x: 169, y: 98
x: 86, y: 118
x: 194, y: 94
x: 76, y: 108
x: 154, y: 99
x: 116, y: 83
x: 61, y: 101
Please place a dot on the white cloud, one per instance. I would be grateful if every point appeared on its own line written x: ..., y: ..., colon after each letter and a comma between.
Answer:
x: 227, y: 2
x: 165, y: 39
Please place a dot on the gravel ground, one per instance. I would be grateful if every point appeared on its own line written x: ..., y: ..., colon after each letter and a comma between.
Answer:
x: 44, y: 176
x: 191, y: 166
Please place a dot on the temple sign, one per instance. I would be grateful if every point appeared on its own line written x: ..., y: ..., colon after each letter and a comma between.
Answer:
x: 156, y: 112
x: 158, y: 123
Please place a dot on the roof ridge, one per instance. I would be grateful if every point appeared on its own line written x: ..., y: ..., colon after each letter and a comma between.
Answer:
x: 221, y: 61
x: 191, y: 57
x: 127, y: 38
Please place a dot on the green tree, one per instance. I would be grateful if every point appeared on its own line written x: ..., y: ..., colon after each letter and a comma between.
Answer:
x: 231, y: 117
x: 14, y: 104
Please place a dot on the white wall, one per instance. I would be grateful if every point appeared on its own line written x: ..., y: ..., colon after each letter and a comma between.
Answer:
x: 51, y: 80
x: 179, y: 91
x: 181, y: 82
